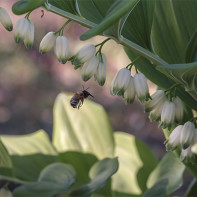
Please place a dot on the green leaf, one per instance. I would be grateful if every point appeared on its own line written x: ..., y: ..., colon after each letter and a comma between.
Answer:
x: 81, y: 162
x: 136, y: 162
x: 86, y: 130
x: 99, y: 174
x: 24, y: 6
x: 68, y: 5
x: 5, y: 162
x: 53, y: 179
x: 29, y: 153
x: 169, y: 170
x: 173, y: 26
x: 118, y: 10
x: 137, y: 27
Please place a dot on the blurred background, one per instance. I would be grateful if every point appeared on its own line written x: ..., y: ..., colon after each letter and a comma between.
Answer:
x: 30, y: 82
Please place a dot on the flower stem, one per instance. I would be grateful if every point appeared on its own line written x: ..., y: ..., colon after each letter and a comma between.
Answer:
x: 27, y: 15
x: 61, y: 29
x: 101, y: 45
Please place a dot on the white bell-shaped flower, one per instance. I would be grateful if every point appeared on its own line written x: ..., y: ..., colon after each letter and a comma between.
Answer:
x: 158, y: 98
x: 5, y: 193
x: 174, y: 138
x: 168, y: 114
x: 89, y: 68
x: 141, y: 87
x: 187, y: 155
x: 48, y: 42
x: 62, y: 49
x: 120, y: 82
x: 155, y: 114
x: 187, y: 135
x: 29, y: 37
x: 100, y: 74
x: 129, y: 94
x: 21, y: 29
x: 179, y: 109
x: 5, y: 19
x: 84, y: 54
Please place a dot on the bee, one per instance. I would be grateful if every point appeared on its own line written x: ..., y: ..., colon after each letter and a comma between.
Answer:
x: 77, y: 100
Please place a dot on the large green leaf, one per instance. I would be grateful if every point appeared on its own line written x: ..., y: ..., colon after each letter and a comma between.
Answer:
x: 136, y: 162
x: 86, y: 130
x: 173, y: 26
x: 53, y: 179
x: 29, y: 153
x: 99, y: 174
x: 118, y: 10
x: 168, y: 176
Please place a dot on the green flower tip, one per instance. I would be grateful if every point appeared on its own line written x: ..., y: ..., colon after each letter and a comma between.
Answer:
x: 86, y: 77
x: 186, y: 145
x: 9, y: 28
x: 62, y: 61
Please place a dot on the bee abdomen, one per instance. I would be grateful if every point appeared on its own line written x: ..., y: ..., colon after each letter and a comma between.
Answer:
x: 74, y: 102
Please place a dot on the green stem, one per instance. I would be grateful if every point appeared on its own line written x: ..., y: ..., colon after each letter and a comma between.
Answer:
x: 62, y: 27
x: 27, y: 15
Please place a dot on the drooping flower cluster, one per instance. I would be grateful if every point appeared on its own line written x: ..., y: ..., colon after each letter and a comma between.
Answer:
x: 24, y: 31
x: 183, y: 136
x: 164, y: 110
x: 127, y: 86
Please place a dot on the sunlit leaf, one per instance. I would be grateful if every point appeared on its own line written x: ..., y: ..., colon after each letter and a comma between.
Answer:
x: 29, y: 153
x: 86, y: 130
x: 169, y: 170
x: 136, y: 162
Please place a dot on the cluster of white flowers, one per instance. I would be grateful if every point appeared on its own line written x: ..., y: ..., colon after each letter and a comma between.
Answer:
x: 127, y: 86
x: 164, y: 110
x: 5, y: 193
x: 184, y: 136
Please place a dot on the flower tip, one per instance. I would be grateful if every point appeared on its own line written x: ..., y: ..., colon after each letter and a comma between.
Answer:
x: 85, y: 77
x: 9, y: 28
x: 62, y: 61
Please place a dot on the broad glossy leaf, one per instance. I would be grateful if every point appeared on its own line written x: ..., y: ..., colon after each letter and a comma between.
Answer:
x: 173, y: 26
x: 159, y: 78
x: 118, y: 10
x: 24, y: 6
x: 29, y: 153
x: 169, y: 170
x: 5, y: 162
x: 53, y: 179
x: 99, y: 174
x: 86, y: 130
x: 136, y: 162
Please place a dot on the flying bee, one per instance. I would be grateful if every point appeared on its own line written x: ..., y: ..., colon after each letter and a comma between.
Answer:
x: 77, y: 100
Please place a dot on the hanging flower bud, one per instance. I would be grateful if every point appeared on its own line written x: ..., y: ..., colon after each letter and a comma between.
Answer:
x: 21, y: 29
x: 174, y: 138
x: 5, y: 193
x: 179, y: 109
x: 5, y: 19
x: 47, y: 43
x: 158, y: 98
x: 141, y: 87
x: 62, y: 49
x: 129, y: 94
x: 100, y: 74
x: 187, y: 155
x: 168, y: 114
x: 83, y: 55
x: 120, y: 82
x: 29, y: 37
x: 187, y: 135
x: 155, y: 114
x: 89, y: 68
